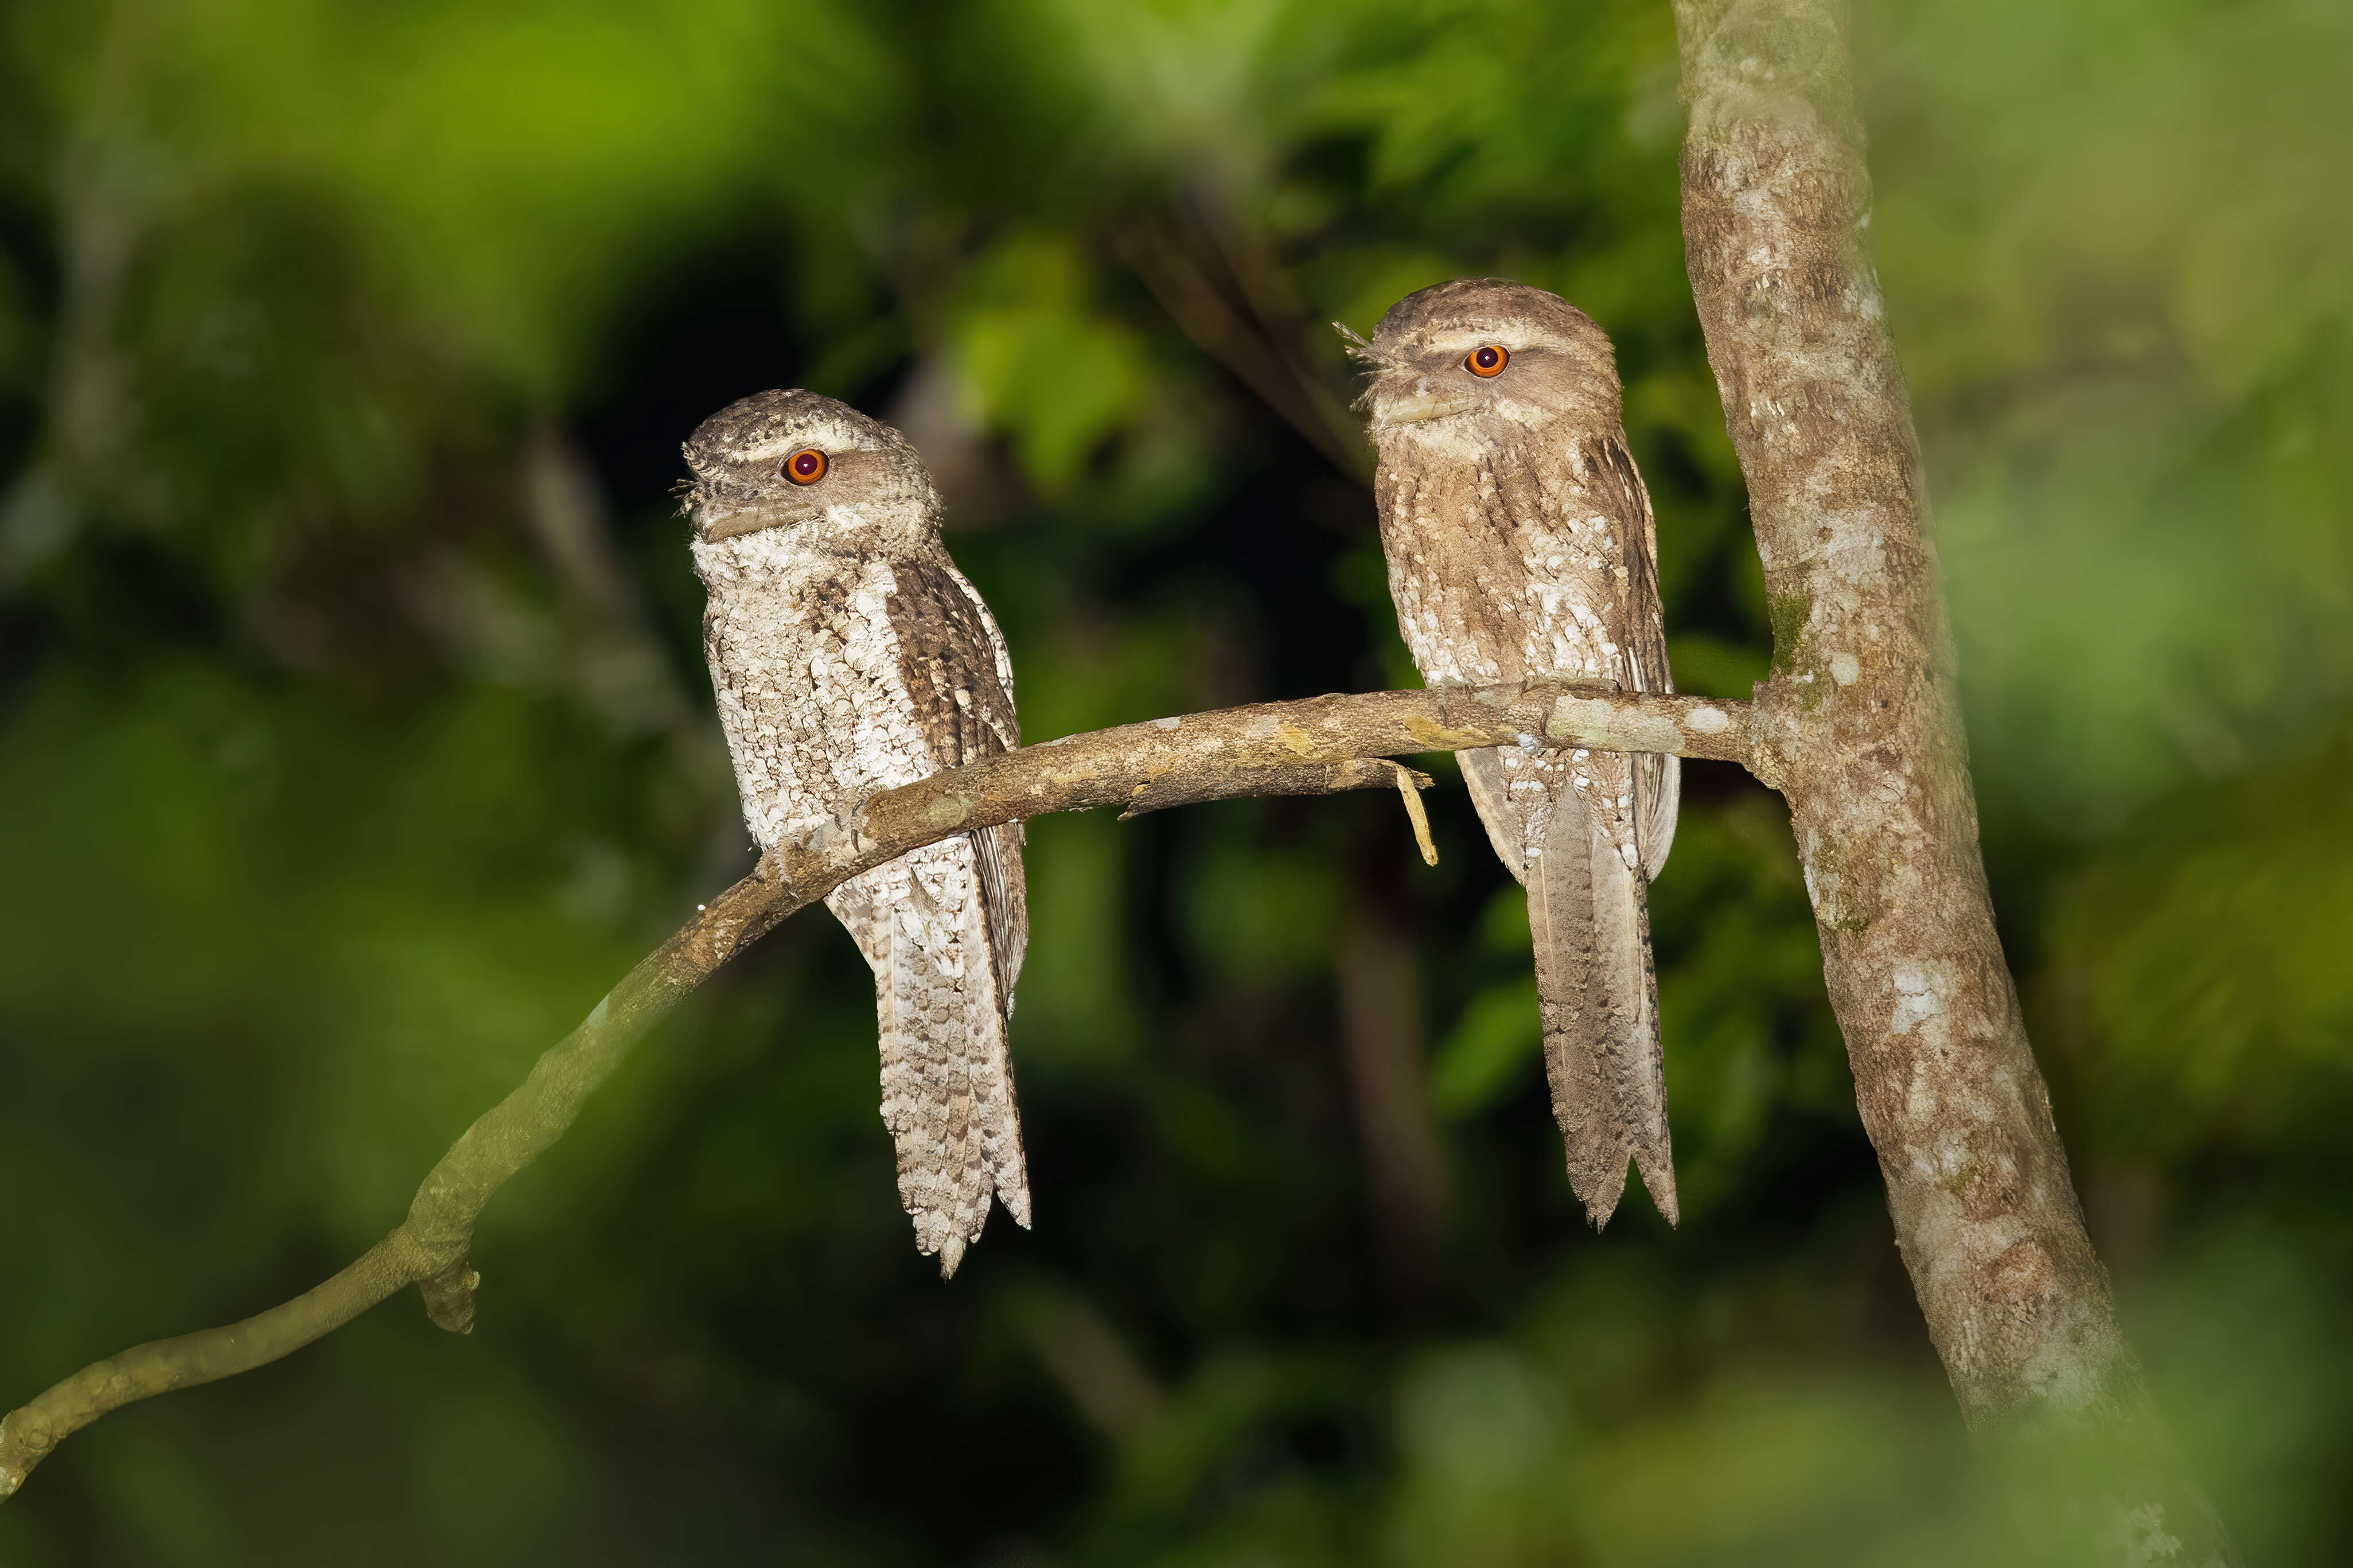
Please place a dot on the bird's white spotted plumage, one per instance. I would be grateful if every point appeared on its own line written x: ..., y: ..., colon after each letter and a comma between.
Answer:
x: 850, y: 656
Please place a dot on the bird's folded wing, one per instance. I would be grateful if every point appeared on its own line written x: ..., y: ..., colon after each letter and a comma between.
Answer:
x: 958, y: 678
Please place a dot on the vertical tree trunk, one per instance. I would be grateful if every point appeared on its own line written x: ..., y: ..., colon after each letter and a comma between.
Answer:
x: 1864, y: 729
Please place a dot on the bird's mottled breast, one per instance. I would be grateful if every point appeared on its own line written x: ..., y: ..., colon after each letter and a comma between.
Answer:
x: 810, y: 678
x: 1506, y: 552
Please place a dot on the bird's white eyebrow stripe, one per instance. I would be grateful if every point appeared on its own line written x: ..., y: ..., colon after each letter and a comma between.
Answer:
x: 1516, y: 339
x: 840, y: 461
x: 827, y: 436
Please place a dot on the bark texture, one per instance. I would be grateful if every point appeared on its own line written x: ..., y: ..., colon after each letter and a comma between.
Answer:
x: 1862, y: 723
x: 1318, y: 746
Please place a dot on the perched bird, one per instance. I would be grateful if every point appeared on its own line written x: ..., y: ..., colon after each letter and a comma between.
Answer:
x: 850, y: 656
x: 1520, y: 547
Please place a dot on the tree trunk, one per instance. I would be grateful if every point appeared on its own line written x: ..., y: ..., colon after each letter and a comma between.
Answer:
x: 1862, y: 725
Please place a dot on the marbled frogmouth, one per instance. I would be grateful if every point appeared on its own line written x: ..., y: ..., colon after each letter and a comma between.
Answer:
x: 850, y: 656
x: 1520, y: 547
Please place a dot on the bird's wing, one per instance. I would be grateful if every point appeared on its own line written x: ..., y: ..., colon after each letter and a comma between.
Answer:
x: 1491, y: 796
x: 1642, y: 645
x: 1584, y: 528
x: 1000, y: 717
x: 960, y: 682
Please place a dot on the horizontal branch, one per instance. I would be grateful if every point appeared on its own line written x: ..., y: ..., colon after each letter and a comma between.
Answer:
x: 1316, y: 746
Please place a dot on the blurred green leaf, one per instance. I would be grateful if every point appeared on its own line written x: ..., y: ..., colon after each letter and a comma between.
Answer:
x: 1495, y: 1040
x: 1038, y: 363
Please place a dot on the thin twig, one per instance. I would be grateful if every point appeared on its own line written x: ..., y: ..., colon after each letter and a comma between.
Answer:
x: 1318, y: 745
x: 1410, y: 785
x: 1246, y: 346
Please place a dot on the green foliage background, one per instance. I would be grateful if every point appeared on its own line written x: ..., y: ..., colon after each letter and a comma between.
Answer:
x: 353, y: 737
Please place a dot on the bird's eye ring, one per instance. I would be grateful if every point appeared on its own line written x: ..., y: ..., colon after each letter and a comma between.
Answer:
x: 1487, y: 360
x: 805, y: 466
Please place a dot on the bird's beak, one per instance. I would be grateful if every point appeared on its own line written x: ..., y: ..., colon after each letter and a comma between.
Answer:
x: 1391, y: 409
x: 752, y: 520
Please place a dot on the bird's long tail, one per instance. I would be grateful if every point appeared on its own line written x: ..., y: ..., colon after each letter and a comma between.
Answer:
x: 1599, y: 997
x: 947, y: 1080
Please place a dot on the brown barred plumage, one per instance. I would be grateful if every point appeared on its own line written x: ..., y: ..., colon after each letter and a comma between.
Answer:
x: 1521, y: 545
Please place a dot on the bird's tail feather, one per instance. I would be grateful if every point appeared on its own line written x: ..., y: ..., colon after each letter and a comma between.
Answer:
x: 947, y: 1078
x: 1599, y: 997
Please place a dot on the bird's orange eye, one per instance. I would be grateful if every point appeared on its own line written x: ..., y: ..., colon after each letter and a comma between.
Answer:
x: 805, y: 466
x: 1488, y: 361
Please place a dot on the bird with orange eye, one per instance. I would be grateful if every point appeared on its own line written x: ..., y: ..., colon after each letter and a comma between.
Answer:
x: 848, y: 654
x: 1521, y: 547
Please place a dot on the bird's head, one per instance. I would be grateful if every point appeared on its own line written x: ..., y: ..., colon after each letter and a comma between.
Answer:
x: 1449, y: 362
x: 797, y: 461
